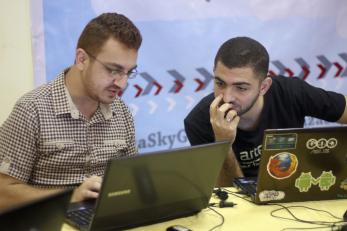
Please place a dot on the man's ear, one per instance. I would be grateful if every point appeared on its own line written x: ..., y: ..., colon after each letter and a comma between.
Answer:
x: 265, y: 85
x: 81, y: 59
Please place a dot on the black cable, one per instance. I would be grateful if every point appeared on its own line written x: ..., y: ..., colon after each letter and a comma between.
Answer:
x: 323, y: 224
x: 302, y: 228
x: 235, y: 194
x: 222, y: 204
x: 294, y: 218
x: 220, y: 224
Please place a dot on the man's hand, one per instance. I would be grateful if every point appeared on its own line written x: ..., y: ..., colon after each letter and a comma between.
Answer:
x: 224, y: 120
x: 89, y: 189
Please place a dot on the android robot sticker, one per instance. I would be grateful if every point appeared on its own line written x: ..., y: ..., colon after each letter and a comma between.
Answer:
x: 327, y: 179
x: 305, y: 181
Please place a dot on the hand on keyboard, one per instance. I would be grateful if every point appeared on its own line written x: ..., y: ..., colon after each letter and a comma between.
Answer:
x: 89, y: 189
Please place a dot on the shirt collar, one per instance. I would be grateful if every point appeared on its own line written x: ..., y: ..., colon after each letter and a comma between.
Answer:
x: 63, y: 103
x: 75, y: 114
x: 106, y: 111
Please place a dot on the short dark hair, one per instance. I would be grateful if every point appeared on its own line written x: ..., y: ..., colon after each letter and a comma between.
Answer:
x: 244, y: 52
x: 109, y: 25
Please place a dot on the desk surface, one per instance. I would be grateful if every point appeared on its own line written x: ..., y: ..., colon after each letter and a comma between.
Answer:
x: 248, y: 216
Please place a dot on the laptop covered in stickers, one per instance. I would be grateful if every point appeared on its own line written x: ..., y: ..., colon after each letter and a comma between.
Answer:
x: 300, y: 164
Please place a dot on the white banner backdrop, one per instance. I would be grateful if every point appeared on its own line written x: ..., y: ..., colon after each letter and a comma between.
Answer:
x: 304, y: 38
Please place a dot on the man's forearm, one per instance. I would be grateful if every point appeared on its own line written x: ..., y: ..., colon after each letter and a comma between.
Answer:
x: 230, y: 169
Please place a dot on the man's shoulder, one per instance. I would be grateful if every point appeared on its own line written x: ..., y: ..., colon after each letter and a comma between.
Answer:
x: 37, y: 95
x: 44, y: 94
x: 283, y: 80
x: 119, y: 105
x: 201, y: 109
x: 283, y: 84
x: 206, y: 101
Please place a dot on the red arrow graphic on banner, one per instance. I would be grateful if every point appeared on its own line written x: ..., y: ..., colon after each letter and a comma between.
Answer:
x: 305, y: 68
x: 306, y: 72
x: 151, y: 83
x: 339, y: 69
x: 139, y: 90
x: 179, y: 81
x: 201, y: 85
x: 290, y: 72
x: 322, y: 69
x: 120, y: 93
x: 179, y: 85
x: 158, y: 86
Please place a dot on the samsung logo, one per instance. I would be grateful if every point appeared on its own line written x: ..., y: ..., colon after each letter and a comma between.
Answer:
x: 119, y: 193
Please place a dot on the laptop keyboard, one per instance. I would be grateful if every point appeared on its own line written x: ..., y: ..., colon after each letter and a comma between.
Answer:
x: 247, y: 185
x: 81, y: 217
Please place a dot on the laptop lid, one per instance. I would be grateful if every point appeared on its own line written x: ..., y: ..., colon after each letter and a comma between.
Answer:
x: 158, y: 186
x: 47, y: 213
x: 303, y: 164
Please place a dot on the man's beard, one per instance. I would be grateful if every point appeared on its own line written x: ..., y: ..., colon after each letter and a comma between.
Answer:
x: 243, y: 111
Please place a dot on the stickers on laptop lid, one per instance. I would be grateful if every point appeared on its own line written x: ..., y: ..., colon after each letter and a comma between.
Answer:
x: 280, y: 141
x: 326, y: 180
x: 271, y: 195
x: 305, y: 181
x: 282, y: 165
x: 321, y: 145
x: 343, y: 184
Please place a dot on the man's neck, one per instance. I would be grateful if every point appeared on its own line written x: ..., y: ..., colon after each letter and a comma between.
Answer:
x: 250, y: 120
x: 73, y: 82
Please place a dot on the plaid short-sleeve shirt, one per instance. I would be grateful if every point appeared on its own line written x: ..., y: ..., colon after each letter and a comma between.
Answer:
x: 46, y: 141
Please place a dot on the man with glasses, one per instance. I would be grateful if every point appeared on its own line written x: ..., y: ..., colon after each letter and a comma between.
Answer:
x: 63, y: 133
x: 246, y: 101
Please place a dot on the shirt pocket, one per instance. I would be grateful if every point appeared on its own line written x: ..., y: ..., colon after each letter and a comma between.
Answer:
x: 61, y: 154
x: 53, y: 146
x: 110, y: 149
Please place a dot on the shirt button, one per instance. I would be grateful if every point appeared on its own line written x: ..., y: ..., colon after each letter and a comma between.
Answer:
x: 6, y: 160
x: 60, y: 146
x: 88, y: 161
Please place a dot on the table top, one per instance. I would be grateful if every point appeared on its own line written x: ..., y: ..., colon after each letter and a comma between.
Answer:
x: 246, y: 215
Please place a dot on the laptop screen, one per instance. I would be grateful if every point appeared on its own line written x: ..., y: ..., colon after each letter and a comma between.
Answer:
x: 158, y: 186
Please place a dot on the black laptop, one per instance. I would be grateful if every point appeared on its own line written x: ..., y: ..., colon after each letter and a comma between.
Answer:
x: 44, y: 214
x: 153, y: 187
x: 300, y: 164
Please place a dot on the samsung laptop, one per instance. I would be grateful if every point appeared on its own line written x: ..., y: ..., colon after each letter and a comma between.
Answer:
x: 152, y: 187
x: 44, y: 214
x: 300, y: 164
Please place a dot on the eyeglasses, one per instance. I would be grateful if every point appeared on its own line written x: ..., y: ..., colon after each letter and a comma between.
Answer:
x: 115, y: 73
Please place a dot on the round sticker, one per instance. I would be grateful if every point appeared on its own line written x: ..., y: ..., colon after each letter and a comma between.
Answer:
x: 282, y: 165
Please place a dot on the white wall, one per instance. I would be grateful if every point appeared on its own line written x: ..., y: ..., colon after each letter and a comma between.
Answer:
x: 16, y: 66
